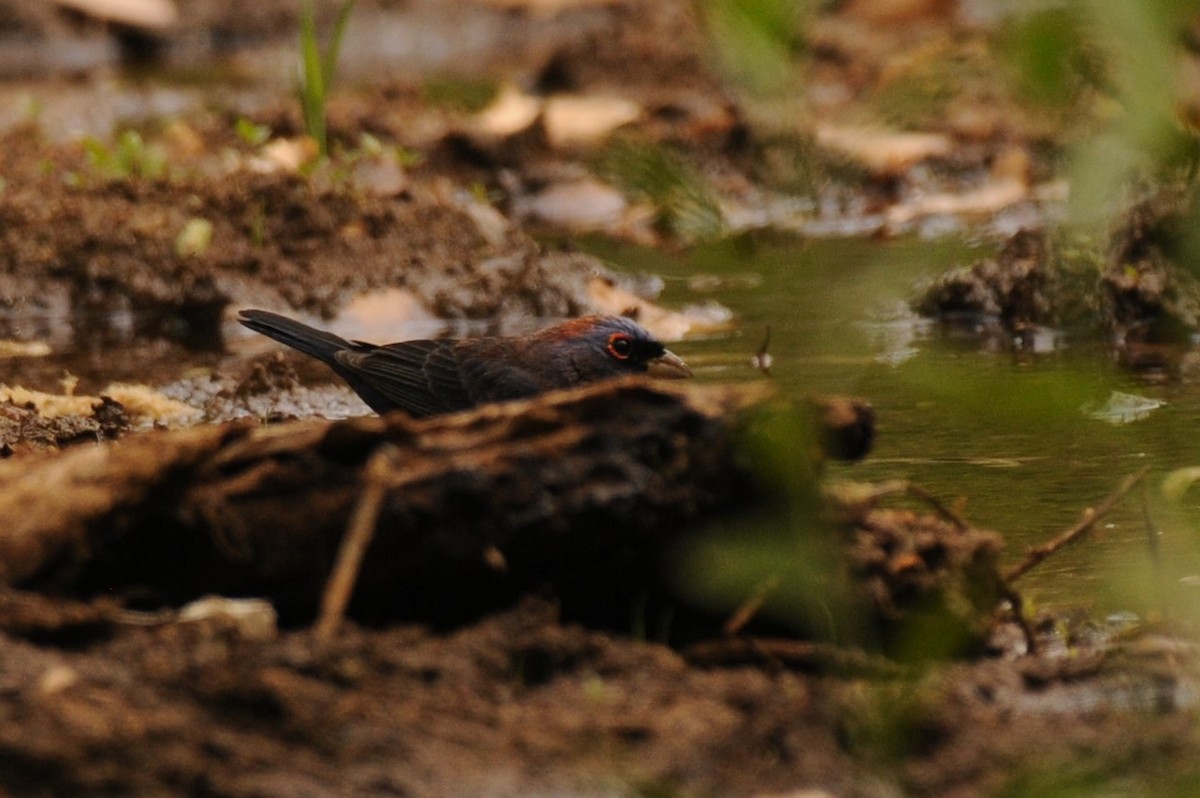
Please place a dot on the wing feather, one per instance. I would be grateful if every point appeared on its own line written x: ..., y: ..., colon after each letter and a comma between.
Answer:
x: 421, y: 377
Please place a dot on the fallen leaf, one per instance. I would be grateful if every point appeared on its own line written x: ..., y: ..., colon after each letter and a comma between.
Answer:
x: 285, y: 155
x: 668, y: 325
x: 141, y: 404
x: 511, y: 112
x: 135, y: 13
x: 883, y: 151
x: 580, y: 205
x: 989, y: 198
x: 378, y: 316
x: 580, y: 120
x: 10, y: 349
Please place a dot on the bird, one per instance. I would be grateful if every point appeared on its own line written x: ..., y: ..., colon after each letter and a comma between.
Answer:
x: 432, y: 377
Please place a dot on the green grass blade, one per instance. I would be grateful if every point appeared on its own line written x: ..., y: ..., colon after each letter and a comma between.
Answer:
x: 335, y: 43
x: 312, y: 77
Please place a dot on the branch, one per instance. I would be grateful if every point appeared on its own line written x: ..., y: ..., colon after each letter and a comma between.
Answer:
x: 1090, y: 516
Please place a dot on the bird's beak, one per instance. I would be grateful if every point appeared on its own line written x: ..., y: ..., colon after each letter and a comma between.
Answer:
x: 668, y: 366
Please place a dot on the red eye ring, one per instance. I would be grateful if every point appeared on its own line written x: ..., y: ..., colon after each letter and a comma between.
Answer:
x: 620, y: 346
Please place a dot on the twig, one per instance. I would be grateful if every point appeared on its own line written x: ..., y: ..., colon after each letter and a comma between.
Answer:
x: 762, y: 359
x: 359, y: 534
x: 941, y: 509
x: 1090, y: 516
x: 1018, y: 611
x: 750, y: 607
x: 799, y: 654
x: 1152, y: 535
x: 858, y: 497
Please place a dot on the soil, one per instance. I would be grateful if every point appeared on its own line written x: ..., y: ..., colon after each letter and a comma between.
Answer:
x: 135, y: 217
x: 520, y: 703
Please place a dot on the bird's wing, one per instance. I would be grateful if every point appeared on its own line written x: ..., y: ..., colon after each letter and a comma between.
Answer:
x: 493, y: 371
x: 422, y: 377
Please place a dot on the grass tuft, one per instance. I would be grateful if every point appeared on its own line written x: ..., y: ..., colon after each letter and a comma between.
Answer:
x: 317, y: 70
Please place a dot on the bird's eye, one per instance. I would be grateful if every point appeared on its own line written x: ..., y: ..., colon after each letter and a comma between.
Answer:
x: 620, y: 346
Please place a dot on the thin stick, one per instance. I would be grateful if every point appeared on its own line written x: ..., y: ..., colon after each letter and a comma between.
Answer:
x: 1018, y: 612
x: 751, y: 606
x: 1090, y: 516
x: 359, y: 534
x: 787, y: 653
x: 1152, y: 536
x: 857, y: 497
x: 941, y: 509
x: 762, y: 360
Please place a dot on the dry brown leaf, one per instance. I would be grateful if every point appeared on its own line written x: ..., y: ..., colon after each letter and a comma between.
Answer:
x: 585, y: 204
x: 511, y: 112
x: 49, y: 405
x: 136, y: 13
x: 376, y: 316
x: 10, y: 349
x: 883, y: 151
x: 667, y: 325
x: 581, y: 120
x: 285, y: 155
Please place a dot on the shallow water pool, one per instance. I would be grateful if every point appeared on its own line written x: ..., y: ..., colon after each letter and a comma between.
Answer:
x: 1021, y: 442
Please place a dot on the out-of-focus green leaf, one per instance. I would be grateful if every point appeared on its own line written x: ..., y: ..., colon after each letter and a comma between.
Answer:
x: 195, y: 237
x: 787, y: 553
x: 1143, y: 134
x: 754, y: 39
x: 681, y: 198
x: 317, y: 69
x: 1048, y: 51
x: 460, y: 93
x: 250, y: 132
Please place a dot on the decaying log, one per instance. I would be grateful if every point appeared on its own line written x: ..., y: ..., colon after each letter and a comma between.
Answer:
x: 584, y: 492
x: 48, y: 505
x: 573, y: 489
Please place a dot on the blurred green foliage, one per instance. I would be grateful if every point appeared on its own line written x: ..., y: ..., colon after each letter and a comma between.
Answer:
x: 1049, y: 57
x: 1108, y: 77
x: 460, y: 93
x: 787, y: 553
x: 251, y: 132
x: 1091, y: 777
x: 923, y: 90
x: 755, y: 40
x: 129, y: 156
x: 317, y: 69
x: 1138, y: 131
x: 886, y: 722
x: 652, y: 173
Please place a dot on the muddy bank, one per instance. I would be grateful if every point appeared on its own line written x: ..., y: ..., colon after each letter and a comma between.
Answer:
x: 1130, y: 286
x: 596, y: 681
x: 107, y: 265
x: 520, y: 703
x: 274, y: 241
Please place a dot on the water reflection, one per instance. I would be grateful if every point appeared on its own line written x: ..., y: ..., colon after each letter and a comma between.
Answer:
x: 1020, y: 432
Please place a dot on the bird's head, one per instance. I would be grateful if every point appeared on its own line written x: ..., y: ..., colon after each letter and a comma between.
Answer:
x: 598, y: 347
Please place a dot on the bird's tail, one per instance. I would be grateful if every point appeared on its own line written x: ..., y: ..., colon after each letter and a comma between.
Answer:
x: 309, y: 340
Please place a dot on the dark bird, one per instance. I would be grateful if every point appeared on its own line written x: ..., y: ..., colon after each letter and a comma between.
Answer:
x: 429, y: 377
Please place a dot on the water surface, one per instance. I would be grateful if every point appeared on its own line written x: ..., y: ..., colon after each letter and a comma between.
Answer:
x: 1019, y: 440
